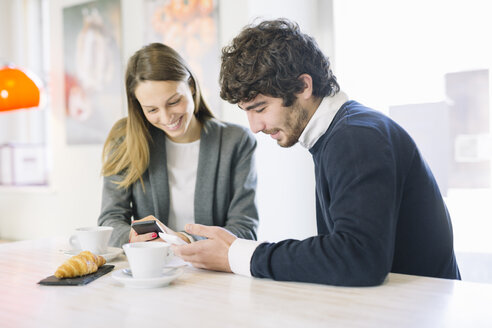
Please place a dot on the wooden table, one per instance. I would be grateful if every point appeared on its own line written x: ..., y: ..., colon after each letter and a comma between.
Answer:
x: 210, y: 299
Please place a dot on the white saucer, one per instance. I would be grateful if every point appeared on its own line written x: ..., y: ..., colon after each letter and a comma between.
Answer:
x: 111, y: 253
x: 169, y: 274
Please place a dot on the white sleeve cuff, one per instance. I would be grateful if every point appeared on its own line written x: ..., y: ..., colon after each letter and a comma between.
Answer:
x: 240, y: 254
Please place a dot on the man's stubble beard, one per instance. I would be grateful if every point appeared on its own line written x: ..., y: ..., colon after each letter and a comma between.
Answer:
x: 296, y: 121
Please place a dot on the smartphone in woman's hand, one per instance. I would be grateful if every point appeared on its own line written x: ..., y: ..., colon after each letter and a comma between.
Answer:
x: 143, y: 227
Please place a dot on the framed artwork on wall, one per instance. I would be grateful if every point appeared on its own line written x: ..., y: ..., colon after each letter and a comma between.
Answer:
x: 92, y: 70
x: 191, y: 28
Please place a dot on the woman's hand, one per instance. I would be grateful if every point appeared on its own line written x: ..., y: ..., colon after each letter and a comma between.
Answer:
x: 151, y: 236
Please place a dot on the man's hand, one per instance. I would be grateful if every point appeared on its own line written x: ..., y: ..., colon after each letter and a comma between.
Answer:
x: 211, y: 253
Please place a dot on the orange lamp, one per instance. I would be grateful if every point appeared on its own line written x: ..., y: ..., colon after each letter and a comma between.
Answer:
x: 17, y: 90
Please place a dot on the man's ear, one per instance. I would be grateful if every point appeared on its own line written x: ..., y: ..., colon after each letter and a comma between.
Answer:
x: 307, y: 91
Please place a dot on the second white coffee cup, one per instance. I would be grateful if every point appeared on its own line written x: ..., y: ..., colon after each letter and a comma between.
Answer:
x: 147, y: 259
x: 93, y: 239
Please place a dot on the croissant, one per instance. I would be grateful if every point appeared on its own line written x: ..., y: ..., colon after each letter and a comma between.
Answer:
x: 80, y: 265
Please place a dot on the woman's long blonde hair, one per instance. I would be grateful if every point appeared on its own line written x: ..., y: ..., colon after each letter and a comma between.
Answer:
x: 126, y: 150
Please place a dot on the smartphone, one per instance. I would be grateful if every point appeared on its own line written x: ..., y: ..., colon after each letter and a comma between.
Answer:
x: 143, y: 227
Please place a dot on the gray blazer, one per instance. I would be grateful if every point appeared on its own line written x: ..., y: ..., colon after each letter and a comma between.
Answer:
x: 224, y: 192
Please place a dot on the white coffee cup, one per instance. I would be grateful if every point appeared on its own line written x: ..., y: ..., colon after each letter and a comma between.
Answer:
x: 93, y: 239
x: 147, y: 259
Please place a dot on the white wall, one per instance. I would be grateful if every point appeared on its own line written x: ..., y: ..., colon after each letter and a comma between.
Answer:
x: 286, y: 176
x: 397, y: 52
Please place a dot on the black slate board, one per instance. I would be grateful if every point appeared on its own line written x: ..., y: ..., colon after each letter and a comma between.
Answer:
x: 77, y: 281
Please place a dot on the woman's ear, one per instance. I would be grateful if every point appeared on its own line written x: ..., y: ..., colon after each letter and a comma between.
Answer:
x: 307, y: 91
x: 192, y: 85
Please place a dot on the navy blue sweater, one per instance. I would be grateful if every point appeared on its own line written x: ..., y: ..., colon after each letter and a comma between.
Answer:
x: 378, y: 209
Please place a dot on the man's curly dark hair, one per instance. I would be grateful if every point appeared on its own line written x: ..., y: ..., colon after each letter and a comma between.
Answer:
x: 268, y: 59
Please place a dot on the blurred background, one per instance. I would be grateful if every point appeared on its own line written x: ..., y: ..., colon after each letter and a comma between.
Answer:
x: 425, y: 63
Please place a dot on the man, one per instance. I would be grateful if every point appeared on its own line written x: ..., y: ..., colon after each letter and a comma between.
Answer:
x: 378, y: 207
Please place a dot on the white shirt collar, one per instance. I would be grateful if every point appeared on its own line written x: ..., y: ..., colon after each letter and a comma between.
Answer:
x: 321, y: 119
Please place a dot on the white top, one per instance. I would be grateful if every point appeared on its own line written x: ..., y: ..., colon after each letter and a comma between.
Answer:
x: 241, y: 250
x: 182, y: 166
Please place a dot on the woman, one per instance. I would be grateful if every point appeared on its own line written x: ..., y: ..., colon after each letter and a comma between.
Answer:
x: 171, y: 160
